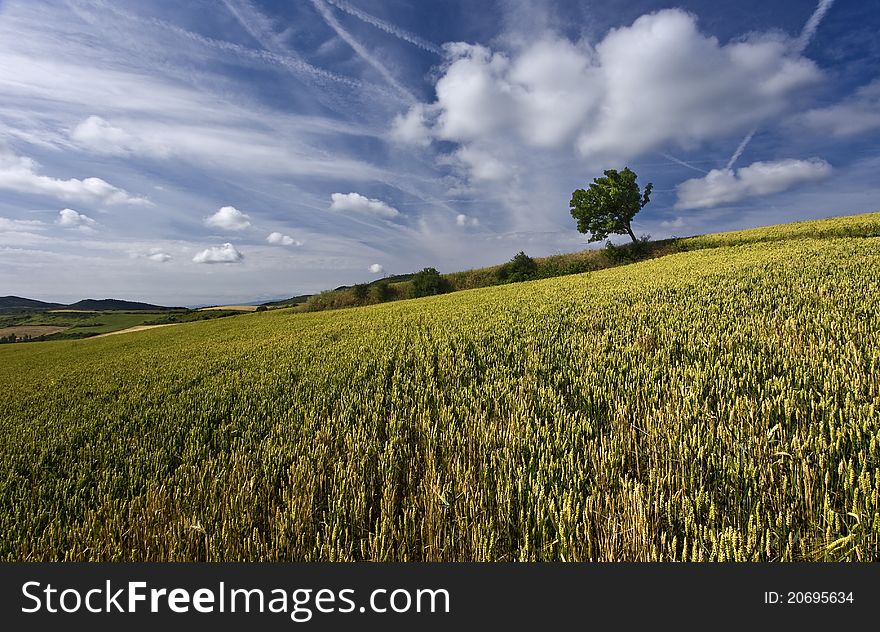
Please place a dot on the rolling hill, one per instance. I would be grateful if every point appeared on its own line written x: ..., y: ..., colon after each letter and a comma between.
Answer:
x: 112, y: 304
x: 18, y: 304
x: 721, y: 402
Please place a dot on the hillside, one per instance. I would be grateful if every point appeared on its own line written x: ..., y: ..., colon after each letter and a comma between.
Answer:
x: 112, y: 304
x: 718, y: 403
x: 398, y: 287
x: 17, y: 303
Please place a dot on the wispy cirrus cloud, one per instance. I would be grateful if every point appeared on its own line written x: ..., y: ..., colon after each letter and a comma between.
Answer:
x: 324, y: 10
x: 856, y: 114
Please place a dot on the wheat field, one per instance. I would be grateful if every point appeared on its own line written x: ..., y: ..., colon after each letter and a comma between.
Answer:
x: 721, y: 403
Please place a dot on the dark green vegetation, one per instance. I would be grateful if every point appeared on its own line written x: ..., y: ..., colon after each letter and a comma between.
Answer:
x: 17, y: 303
x: 521, y: 268
x: 718, y: 403
x: 427, y: 282
x: 609, y: 205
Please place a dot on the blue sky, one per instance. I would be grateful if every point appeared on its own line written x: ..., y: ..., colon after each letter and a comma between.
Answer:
x: 235, y: 150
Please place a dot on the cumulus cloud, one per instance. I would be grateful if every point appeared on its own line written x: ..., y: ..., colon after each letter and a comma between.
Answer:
x: 68, y: 218
x: 357, y: 203
x: 463, y: 220
x: 19, y: 173
x: 854, y: 115
x: 219, y: 254
x: 277, y: 239
x: 724, y: 186
x: 228, y: 218
x: 377, y: 269
x: 655, y: 82
x: 97, y: 135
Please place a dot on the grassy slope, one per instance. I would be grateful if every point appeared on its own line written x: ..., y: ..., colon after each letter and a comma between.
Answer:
x: 591, y: 260
x: 715, y: 404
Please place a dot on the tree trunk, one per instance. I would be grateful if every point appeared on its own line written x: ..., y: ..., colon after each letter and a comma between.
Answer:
x: 630, y: 231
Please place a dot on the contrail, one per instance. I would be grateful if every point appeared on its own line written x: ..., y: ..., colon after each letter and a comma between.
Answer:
x: 287, y: 61
x: 256, y: 24
x: 391, y: 29
x: 812, y: 25
x: 682, y: 163
x: 740, y: 149
x: 364, y: 54
x: 800, y: 45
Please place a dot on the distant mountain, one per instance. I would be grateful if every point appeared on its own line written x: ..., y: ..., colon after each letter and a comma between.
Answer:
x: 17, y: 303
x: 112, y: 304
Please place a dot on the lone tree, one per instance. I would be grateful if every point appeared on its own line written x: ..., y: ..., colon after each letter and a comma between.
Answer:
x: 609, y: 205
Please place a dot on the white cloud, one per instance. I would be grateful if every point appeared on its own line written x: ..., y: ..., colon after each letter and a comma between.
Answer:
x: 655, y: 82
x: 158, y: 255
x: 724, y: 186
x: 463, y: 220
x: 277, y: 239
x: 482, y: 165
x: 68, y: 218
x: 411, y: 127
x: 96, y: 134
x: 228, y: 218
x: 678, y: 222
x: 22, y: 232
x: 377, y: 269
x: 219, y: 254
x: 357, y: 203
x: 19, y: 173
x: 16, y: 225
x: 236, y: 143
x: 854, y: 115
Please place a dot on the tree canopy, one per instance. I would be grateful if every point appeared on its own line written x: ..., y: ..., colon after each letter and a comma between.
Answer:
x: 609, y: 204
x: 427, y: 282
x: 521, y: 268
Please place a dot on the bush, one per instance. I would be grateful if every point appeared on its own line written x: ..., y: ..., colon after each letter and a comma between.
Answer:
x: 361, y: 291
x: 428, y: 282
x: 380, y: 292
x: 521, y: 268
x: 262, y: 308
x: 331, y: 299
